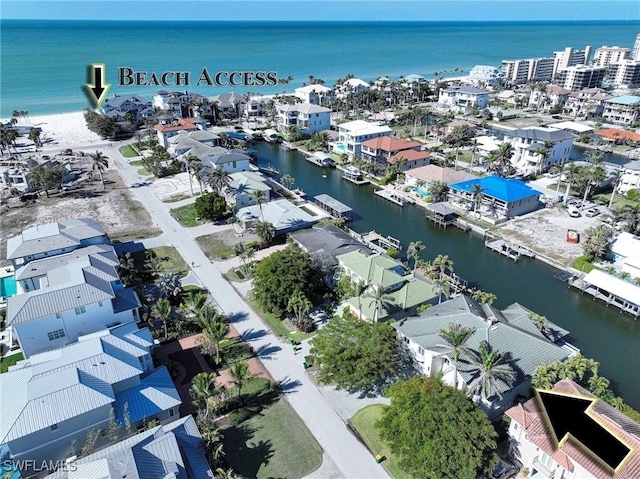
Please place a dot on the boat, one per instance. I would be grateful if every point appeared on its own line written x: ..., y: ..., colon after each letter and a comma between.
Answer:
x: 271, y: 136
x: 321, y: 159
x: 269, y: 170
x: 288, y: 146
x: 299, y: 192
x: 354, y: 175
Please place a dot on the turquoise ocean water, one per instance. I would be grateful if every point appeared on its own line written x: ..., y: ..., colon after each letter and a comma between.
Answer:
x: 44, y: 64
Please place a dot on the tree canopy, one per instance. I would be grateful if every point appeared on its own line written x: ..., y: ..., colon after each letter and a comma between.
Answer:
x: 356, y: 355
x: 437, y: 432
x: 278, y: 277
x: 211, y: 206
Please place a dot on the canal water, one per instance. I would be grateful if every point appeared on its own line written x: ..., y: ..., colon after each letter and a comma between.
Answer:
x: 599, y: 332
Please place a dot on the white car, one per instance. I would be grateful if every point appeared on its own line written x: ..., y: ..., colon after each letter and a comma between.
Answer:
x: 573, y: 212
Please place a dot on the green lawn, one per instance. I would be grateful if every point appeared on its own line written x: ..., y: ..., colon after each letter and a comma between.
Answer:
x: 364, y: 422
x: 9, y: 361
x: 274, y: 444
x: 136, y: 163
x: 232, y: 275
x: 278, y: 327
x: 128, y: 152
x: 169, y: 260
x: 144, y: 172
x: 186, y: 215
x: 214, y: 248
x: 581, y: 264
x: 232, y: 351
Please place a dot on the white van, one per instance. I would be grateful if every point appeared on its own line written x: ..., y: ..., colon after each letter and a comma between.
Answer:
x: 573, y: 212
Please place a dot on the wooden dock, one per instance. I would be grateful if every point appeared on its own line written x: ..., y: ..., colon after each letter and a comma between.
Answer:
x: 380, y: 243
x: 606, y: 296
x: 354, y: 175
x: 512, y: 251
x: 444, y: 215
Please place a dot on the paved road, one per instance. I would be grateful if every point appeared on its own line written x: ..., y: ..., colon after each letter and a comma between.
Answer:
x: 349, y: 455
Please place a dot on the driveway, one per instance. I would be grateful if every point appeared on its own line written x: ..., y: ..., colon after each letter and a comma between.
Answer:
x: 351, y: 457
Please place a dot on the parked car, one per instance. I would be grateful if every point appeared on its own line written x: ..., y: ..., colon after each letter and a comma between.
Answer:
x: 504, y: 470
x: 573, y: 212
x: 591, y: 212
x: 135, y: 185
x: 108, y: 182
x: 71, y: 187
x: 556, y: 117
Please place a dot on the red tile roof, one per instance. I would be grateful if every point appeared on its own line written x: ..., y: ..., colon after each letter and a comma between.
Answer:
x: 617, y: 134
x: 182, y: 124
x: 529, y: 416
x: 409, y: 155
x: 388, y: 143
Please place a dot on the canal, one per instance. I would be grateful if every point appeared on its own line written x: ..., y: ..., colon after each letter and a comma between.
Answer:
x: 602, y: 333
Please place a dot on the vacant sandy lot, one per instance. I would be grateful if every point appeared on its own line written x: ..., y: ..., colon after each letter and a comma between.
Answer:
x: 121, y: 216
x: 545, y: 231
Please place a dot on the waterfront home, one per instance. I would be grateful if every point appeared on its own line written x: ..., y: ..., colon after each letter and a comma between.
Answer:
x: 543, y: 455
x: 182, y: 104
x: 66, y: 296
x: 169, y: 126
x: 351, y: 86
x: 231, y: 105
x: 198, y: 143
x: 625, y: 251
x: 231, y: 161
x: 328, y: 241
x: 123, y: 107
x: 282, y: 214
x: 14, y: 174
x: 52, y: 239
x: 386, y: 151
x: 630, y: 177
x: 509, y: 331
x: 573, y: 127
x: 537, y: 148
x: 588, y: 102
x: 173, y: 450
x: 50, y: 402
x: 430, y: 173
x: 485, y: 75
x: 254, y: 109
x: 307, y: 118
x: 352, y: 134
x: 463, y: 99
x: 403, y: 291
x: 617, y: 136
x: 622, y: 110
x: 500, y: 198
x: 315, y: 94
x: 577, y: 77
x: 243, y: 185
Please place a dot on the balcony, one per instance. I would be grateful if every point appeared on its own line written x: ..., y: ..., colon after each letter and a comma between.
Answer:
x: 540, y: 471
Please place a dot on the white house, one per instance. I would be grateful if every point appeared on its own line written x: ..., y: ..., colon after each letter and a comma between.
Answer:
x: 630, y: 178
x: 528, y: 144
x: 509, y: 331
x: 14, y: 173
x: 182, y: 104
x: 463, y: 98
x: 625, y: 249
x: 535, y: 445
x: 170, y: 126
x: 282, y: 214
x: 307, y: 118
x: 50, y: 402
x: 552, y: 96
x: 352, y: 134
x: 588, y: 102
x: 314, y: 94
x: 254, y: 108
x: 622, y: 110
x: 350, y: 86
x: 231, y: 161
x: 242, y: 186
x: 120, y: 106
x: 485, y: 75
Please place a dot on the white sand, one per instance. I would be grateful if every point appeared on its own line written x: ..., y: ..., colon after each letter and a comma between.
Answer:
x: 67, y: 129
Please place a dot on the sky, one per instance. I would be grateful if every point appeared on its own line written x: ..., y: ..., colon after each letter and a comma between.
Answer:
x: 325, y: 10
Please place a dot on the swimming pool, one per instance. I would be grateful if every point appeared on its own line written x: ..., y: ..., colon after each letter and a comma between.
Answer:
x: 8, y: 286
x: 421, y: 192
x: 340, y: 148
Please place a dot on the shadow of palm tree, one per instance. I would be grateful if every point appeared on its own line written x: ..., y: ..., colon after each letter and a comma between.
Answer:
x: 237, y: 317
x: 288, y: 385
x: 265, y: 351
x: 252, y: 334
x: 245, y: 456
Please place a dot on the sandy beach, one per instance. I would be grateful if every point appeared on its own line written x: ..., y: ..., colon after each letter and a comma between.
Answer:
x: 67, y: 129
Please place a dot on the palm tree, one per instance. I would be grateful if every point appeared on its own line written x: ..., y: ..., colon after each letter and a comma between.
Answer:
x: 240, y: 374
x: 540, y: 322
x: 259, y: 197
x: 477, y: 192
x: 413, y: 251
x: 443, y: 263
x: 219, y: 179
x: 100, y: 163
x: 598, y: 385
x: 194, y: 165
x: 162, y: 311
x: 492, y: 366
x: 359, y: 288
x: 287, y: 180
x: 455, y: 337
x: 441, y: 286
x: 615, y: 179
x: 213, y: 333
x: 34, y: 135
x: 502, y: 157
x: 459, y: 136
x: 195, y: 302
x: 378, y: 301
x: 265, y: 230
x: 202, y: 387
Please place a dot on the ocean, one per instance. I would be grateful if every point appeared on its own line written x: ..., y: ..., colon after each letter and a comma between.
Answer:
x: 45, y: 63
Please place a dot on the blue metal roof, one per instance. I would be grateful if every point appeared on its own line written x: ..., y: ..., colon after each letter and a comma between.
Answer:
x: 502, y: 189
x: 624, y: 100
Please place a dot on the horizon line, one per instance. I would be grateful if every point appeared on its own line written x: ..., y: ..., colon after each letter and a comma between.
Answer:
x: 244, y: 20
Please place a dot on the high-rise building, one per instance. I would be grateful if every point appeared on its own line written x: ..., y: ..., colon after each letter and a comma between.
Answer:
x: 517, y: 72
x: 607, y: 55
x: 580, y: 76
x: 625, y: 73
x: 635, y: 53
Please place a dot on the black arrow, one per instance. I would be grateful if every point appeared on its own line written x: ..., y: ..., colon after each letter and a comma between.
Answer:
x: 569, y: 417
x: 98, y: 89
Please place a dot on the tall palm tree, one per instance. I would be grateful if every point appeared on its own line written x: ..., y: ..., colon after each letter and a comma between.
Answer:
x: 202, y: 387
x: 240, y: 374
x: 34, y: 135
x: 615, y: 179
x: 441, y: 286
x: 502, y: 157
x: 413, y: 251
x: 219, y: 179
x: 259, y: 197
x: 572, y: 174
x: 100, y: 163
x: 162, y: 311
x: 443, y: 263
x: 455, y: 337
x: 378, y: 301
x: 478, y: 193
x: 492, y: 366
x: 359, y: 288
x: 194, y: 165
x: 214, y: 332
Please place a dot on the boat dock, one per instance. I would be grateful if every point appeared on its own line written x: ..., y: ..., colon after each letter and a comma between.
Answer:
x: 394, y: 197
x: 334, y: 207
x: 610, y: 289
x: 321, y: 159
x: 444, y: 215
x: 380, y: 243
x: 512, y: 251
x: 354, y: 175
